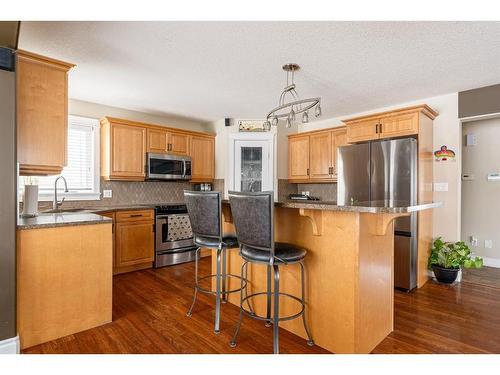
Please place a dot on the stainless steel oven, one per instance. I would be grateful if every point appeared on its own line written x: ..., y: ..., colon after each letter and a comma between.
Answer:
x: 168, y: 167
x: 174, y: 236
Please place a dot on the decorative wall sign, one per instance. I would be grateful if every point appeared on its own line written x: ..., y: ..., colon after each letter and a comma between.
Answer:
x: 444, y: 154
x: 251, y: 126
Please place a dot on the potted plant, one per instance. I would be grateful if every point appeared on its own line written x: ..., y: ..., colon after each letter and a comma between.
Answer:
x: 447, y: 258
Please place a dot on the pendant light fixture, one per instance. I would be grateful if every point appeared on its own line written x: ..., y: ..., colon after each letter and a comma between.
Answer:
x: 295, y: 105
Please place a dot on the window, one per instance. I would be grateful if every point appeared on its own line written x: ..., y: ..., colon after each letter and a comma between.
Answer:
x: 82, y: 171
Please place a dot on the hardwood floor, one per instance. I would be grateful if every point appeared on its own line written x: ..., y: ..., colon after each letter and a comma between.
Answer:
x: 149, y: 316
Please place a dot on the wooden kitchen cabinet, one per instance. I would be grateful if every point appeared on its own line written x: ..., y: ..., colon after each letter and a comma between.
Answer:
x: 162, y: 141
x: 134, y: 240
x: 392, y: 124
x: 298, y: 157
x: 157, y: 141
x: 124, y: 144
x: 320, y: 155
x: 42, y: 114
x: 123, y: 151
x: 313, y: 155
x: 203, y: 158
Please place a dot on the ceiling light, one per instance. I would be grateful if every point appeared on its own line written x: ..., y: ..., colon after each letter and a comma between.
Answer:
x: 294, y: 106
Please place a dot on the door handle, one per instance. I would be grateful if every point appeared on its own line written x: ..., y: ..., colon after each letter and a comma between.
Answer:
x: 380, y: 129
x: 376, y: 128
x: 308, y: 171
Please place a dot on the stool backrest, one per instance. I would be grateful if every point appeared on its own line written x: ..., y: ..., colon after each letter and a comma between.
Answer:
x: 253, y: 216
x: 204, y: 210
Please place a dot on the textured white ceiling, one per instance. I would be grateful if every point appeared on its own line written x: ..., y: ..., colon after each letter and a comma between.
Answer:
x: 211, y: 70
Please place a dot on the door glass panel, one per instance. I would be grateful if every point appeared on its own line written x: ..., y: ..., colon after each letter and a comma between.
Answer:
x: 251, y: 169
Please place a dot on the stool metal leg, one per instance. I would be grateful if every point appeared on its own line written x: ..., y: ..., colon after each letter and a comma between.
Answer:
x: 245, y: 264
x: 310, y: 341
x: 232, y: 343
x: 224, y: 271
x: 196, y: 256
x: 276, y: 319
x: 218, y: 291
x: 268, y: 322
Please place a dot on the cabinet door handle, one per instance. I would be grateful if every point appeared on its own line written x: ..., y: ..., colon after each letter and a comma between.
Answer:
x: 380, y: 128
x: 136, y: 215
x: 376, y: 128
x: 308, y: 171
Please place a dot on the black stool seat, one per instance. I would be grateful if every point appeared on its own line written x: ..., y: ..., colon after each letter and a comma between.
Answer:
x: 283, y: 253
x: 229, y: 241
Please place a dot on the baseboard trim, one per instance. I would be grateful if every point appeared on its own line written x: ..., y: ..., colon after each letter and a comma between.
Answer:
x: 491, y: 262
x: 10, y: 346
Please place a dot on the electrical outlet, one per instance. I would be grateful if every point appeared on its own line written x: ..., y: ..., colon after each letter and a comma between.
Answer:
x: 440, y: 186
x: 474, y: 241
x: 488, y: 244
x: 107, y: 193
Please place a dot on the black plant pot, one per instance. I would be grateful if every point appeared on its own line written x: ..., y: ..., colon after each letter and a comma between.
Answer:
x: 445, y: 275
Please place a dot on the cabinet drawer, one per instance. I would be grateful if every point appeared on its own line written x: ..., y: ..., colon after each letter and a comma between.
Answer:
x: 135, y: 215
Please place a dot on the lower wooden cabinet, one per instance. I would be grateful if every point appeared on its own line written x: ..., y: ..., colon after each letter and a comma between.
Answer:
x: 133, y: 239
x: 134, y: 243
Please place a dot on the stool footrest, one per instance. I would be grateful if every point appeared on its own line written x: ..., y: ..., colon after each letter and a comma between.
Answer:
x: 209, y: 291
x: 281, y: 319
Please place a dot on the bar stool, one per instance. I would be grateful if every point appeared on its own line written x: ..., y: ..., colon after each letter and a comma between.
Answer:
x: 253, y: 216
x: 204, y: 210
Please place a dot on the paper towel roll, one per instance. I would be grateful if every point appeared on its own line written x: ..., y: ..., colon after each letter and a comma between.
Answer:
x: 30, y: 201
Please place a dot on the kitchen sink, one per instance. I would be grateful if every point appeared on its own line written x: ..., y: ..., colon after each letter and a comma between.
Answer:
x: 64, y: 211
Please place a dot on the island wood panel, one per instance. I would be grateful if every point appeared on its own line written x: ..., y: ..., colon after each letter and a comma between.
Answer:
x: 349, y: 281
x: 320, y: 156
x: 64, y: 281
x: 42, y: 114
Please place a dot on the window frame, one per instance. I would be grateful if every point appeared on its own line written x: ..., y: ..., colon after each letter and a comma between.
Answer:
x: 79, y: 195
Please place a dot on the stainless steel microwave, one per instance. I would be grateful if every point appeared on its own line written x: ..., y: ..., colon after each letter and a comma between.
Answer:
x: 168, y: 167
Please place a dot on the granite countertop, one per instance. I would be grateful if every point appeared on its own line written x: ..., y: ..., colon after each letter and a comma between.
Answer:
x: 373, y: 207
x: 50, y: 220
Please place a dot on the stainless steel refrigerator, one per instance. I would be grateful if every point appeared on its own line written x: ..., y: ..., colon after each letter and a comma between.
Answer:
x: 8, y: 211
x: 384, y: 173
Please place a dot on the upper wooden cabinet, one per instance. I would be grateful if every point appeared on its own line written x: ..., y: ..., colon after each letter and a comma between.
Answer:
x: 399, y: 123
x: 298, y: 157
x: 163, y: 141
x: 124, y: 144
x: 203, y: 158
x: 42, y: 114
x: 123, y: 151
x: 312, y: 156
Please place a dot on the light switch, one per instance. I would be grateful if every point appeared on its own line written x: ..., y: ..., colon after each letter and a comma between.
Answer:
x: 107, y: 193
x: 440, y: 186
x: 488, y: 244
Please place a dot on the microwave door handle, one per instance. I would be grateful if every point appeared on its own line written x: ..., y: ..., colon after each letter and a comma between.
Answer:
x: 184, y: 169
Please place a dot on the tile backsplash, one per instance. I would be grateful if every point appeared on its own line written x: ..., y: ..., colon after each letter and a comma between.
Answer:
x: 137, y: 192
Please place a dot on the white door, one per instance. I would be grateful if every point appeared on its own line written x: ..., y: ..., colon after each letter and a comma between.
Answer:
x: 252, y: 171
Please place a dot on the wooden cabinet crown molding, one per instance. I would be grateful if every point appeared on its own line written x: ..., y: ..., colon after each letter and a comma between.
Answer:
x: 115, y: 120
x: 40, y: 59
x: 424, y: 108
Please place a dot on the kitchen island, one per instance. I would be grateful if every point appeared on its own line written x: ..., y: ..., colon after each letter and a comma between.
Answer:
x: 349, y: 265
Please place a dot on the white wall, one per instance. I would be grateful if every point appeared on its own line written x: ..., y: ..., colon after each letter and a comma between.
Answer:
x: 446, y: 132
x: 94, y: 110
x: 480, y: 203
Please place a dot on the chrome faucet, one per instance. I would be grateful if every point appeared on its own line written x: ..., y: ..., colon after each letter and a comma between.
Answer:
x: 55, y: 202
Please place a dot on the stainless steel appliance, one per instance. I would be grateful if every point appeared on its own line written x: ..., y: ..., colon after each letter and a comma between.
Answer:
x: 384, y: 173
x: 168, y: 167
x: 8, y: 202
x: 174, y: 236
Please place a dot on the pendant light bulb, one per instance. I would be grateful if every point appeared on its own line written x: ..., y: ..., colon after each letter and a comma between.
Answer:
x: 318, y: 111
x: 267, y: 125
x: 305, y: 118
x: 288, y: 123
x: 292, y: 115
x: 275, y: 121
